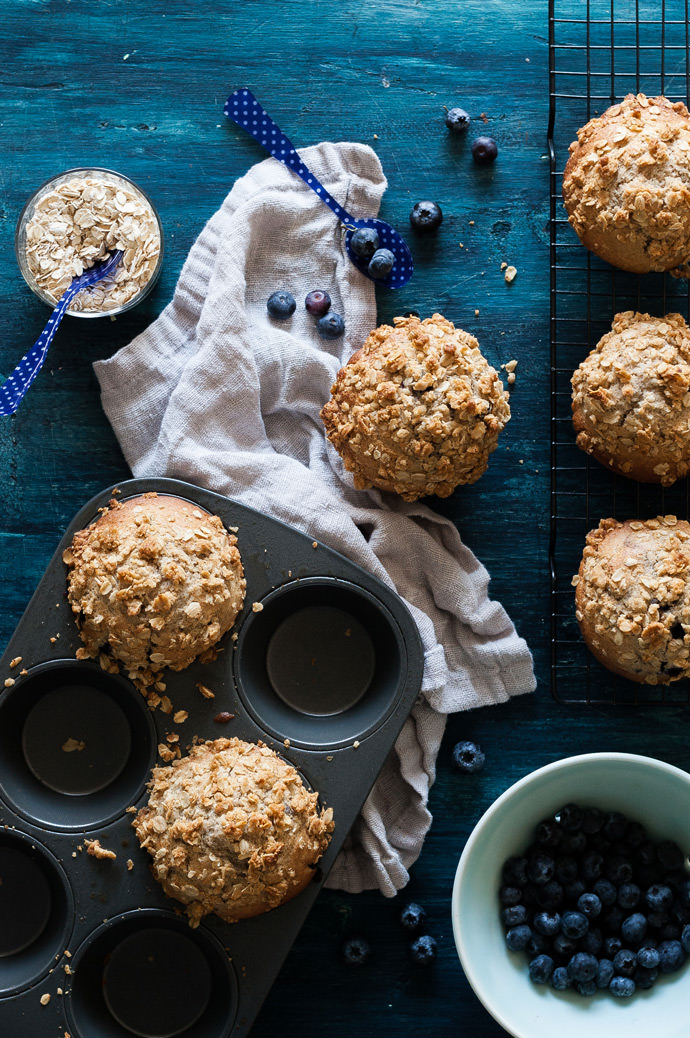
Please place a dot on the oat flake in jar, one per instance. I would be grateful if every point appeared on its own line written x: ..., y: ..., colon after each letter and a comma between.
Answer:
x: 75, y: 220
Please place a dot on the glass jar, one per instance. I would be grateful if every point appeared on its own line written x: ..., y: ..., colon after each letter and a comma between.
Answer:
x: 76, y: 219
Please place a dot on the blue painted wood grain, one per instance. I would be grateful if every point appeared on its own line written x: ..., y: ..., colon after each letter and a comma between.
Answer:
x: 139, y: 87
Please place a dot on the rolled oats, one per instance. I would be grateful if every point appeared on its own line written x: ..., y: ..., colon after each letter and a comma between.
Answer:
x: 78, y: 222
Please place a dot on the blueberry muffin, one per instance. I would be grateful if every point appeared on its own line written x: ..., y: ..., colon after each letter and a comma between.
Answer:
x: 232, y: 830
x: 632, y: 598
x: 154, y: 582
x: 417, y: 410
x: 626, y: 185
x: 631, y: 398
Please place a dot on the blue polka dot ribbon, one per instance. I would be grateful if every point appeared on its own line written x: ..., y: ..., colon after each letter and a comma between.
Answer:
x: 14, y: 387
x: 244, y: 109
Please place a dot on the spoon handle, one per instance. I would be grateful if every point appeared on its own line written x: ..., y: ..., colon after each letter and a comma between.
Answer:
x: 16, y: 384
x: 243, y: 108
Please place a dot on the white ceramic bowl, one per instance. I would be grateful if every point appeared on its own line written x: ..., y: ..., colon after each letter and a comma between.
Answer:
x: 654, y: 793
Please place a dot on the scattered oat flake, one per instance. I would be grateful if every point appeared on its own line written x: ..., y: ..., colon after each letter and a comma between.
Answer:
x: 206, y: 692
x: 504, y: 265
x: 314, y: 544
x: 70, y: 745
x: 130, y: 864
x: 15, y: 662
x: 45, y: 999
x: 165, y: 753
x: 286, y: 743
x: 180, y: 716
x: 476, y: 313
x: 68, y: 969
x: 93, y: 847
x: 172, y: 737
x: 166, y: 705
x: 9, y: 682
x: 257, y: 607
x: 511, y: 378
x: 356, y: 744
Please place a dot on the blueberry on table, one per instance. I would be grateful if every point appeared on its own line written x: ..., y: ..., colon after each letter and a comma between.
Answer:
x: 634, y: 929
x: 381, y: 263
x: 648, y: 957
x: 605, y: 972
x: 330, y: 326
x: 413, y: 915
x: 423, y: 950
x: 318, y: 302
x: 625, y: 962
x: 574, y: 925
x: 484, y: 150
x: 426, y: 216
x: 281, y: 305
x: 457, y: 120
x: 468, y: 757
x: 518, y: 937
x: 583, y: 967
x: 560, y: 979
x: 364, y: 242
x: 589, y: 904
x: 356, y: 951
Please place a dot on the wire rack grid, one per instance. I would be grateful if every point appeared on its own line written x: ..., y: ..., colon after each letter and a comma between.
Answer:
x: 599, y: 51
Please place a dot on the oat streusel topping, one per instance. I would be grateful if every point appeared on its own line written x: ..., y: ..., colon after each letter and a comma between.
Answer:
x: 626, y: 186
x: 155, y: 582
x: 632, y: 597
x: 631, y: 398
x: 232, y: 830
x: 417, y: 410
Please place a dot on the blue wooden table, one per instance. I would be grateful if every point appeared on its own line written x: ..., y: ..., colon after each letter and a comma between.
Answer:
x: 139, y: 87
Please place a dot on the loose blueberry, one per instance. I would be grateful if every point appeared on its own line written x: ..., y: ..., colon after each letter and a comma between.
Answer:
x: 648, y: 957
x: 571, y: 816
x: 659, y: 897
x: 645, y: 979
x: 364, y: 242
x: 356, y: 951
x: 515, y: 871
x: 468, y: 757
x: 510, y: 895
x: 560, y: 979
x: 413, y: 915
x: 566, y: 870
x: 330, y: 326
x: 318, y: 302
x: 593, y: 941
x: 634, y: 929
x: 622, y: 987
x: 574, y: 925
x: 587, y: 988
x: 426, y: 216
x: 589, y: 905
x: 518, y: 937
x: 540, y: 969
x: 612, y: 945
x: 381, y: 264
x: 582, y: 967
x: 564, y: 946
x: 624, y: 962
x: 671, y: 956
x: 541, y: 868
x: 548, y: 833
x: 484, y: 150
x: 281, y: 305
x: 423, y: 950
x: 457, y: 120
x: 547, y: 923
x: 592, y: 865
x: 514, y: 915
x: 550, y: 895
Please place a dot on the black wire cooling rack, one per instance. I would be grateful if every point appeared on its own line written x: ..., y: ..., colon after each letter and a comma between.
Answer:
x: 599, y: 51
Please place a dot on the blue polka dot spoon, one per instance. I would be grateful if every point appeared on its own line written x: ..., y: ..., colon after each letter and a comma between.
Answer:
x: 15, y: 386
x: 243, y: 108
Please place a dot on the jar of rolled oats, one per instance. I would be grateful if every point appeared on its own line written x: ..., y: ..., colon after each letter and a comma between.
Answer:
x: 75, y: 220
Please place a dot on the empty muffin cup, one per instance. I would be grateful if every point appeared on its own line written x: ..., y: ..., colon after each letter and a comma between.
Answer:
x: 36, y: 910
x: 321, y: 663
x: 76, y: 745
x: 146, y: 973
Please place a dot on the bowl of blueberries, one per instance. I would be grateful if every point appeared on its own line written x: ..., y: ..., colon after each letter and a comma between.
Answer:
x: 571, y: 901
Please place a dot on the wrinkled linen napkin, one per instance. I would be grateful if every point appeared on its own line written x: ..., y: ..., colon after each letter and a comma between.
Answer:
x: 217, y: 393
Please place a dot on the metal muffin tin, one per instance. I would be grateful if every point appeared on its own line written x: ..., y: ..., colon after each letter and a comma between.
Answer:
x: 325, y: 668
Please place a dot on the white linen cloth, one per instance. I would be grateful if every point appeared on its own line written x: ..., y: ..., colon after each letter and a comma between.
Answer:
x: 217, y: 393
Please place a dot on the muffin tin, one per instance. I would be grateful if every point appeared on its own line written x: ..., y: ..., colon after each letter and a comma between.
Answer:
x: 323, y: 665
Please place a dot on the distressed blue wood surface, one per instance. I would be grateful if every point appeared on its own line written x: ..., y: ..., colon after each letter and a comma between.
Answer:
x: 139, y: 87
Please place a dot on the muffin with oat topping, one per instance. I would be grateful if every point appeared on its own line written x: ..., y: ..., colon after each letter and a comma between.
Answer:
x: 154, y: 582
x: 417, y: 410
x: 631, y: 398
x: 232, y: 830
x: 626, y: 185
x: 632, y: 598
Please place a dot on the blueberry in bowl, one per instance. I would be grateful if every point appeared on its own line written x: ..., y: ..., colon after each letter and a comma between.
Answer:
x: 565, y: 966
